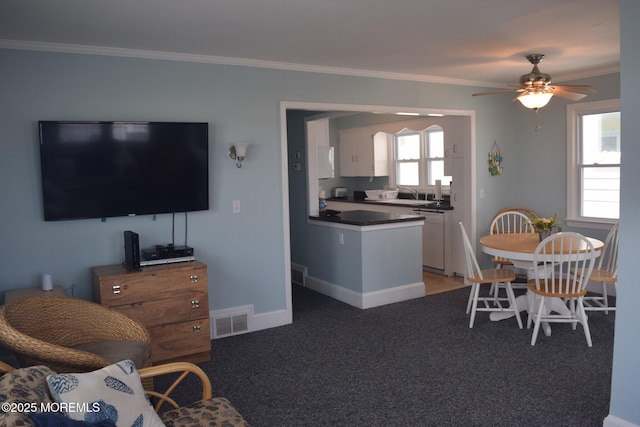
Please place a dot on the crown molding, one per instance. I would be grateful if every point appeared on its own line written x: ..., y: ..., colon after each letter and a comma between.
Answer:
x: 611, y: 69
x: 243, y: 62
x: 223, y: 60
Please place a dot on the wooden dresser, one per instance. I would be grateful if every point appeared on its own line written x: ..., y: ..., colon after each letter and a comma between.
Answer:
x: 171, y: 300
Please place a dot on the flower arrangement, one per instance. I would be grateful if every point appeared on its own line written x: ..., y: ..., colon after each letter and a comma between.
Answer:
x: 545, y: 224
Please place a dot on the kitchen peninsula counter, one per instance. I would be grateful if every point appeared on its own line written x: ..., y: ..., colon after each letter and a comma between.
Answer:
x: 428, y: 205
x: 365, y: 218
x: 366, y: 258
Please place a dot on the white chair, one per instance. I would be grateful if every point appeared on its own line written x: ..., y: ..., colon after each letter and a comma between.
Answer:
x: 475, y: 277
x: 606, y: 272
x: 510, y: 220
x: 564, y: 263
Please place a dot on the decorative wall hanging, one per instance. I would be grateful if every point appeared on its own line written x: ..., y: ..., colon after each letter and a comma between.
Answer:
x: 495, y: 160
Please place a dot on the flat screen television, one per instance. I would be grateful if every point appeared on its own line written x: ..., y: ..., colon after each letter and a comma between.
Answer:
x: 109, y: 169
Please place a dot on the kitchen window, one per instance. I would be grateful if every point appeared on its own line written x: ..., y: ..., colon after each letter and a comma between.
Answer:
x: 593, y: 162
x: 419, y: 157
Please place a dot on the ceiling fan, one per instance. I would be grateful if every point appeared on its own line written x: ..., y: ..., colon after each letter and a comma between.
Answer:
x: 536, y: 90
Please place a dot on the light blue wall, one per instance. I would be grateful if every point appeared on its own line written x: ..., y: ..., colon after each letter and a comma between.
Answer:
x: 245, y: 252
x: 625, y: 384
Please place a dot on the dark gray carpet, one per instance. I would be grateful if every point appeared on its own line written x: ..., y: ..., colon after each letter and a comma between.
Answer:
x: 414, y: 363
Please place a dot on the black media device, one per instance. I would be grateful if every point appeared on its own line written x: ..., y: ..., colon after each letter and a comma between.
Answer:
x: 110, y: 169
x: 131, y: 251
x: 167, y: 252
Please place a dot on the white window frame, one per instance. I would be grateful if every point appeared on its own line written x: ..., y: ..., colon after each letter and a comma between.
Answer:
x: 423, y: 162
x: 574, y: 113
x: 420, y: 161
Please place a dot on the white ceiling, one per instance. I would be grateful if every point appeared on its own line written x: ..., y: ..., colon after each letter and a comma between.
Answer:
x: 473, y: 42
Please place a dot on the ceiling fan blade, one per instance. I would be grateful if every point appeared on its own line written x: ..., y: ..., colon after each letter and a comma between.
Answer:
x: 576, y: 88
x: 498, y: 91
x: 571, y: 96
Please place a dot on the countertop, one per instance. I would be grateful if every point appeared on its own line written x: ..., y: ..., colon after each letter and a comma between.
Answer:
x: 363, y: 217
x: 428, y: 205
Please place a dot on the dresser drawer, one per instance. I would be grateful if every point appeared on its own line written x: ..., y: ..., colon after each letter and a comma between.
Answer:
x: 160, y: 312
x: 180, y: 339
x: 150, y: 284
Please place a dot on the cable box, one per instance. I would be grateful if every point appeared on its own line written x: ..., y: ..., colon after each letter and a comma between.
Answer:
x: 166, y: 261
x: 159, y: 252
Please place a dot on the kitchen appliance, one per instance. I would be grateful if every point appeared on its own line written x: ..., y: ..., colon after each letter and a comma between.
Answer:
x: 432, y: 239
x: 326, y: 165
x: 340, y: 192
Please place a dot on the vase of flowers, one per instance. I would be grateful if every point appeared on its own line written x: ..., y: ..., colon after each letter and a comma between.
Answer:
x: 545, y: 226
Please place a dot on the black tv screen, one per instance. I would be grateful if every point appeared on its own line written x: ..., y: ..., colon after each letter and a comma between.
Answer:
x: 108, y: 169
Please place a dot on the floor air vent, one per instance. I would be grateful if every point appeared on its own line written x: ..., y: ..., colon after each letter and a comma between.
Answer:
x: 298, y: 274
x: 231, y: 325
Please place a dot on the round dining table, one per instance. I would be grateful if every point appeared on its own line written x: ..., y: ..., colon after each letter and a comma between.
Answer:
x: 519, y: 248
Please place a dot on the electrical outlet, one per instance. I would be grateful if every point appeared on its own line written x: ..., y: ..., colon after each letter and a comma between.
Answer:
x: 236, y: 206
x: 482, y: 193
x: 341, y: 239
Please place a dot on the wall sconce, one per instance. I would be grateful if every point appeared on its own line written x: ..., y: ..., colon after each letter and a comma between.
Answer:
x: 238, y: 152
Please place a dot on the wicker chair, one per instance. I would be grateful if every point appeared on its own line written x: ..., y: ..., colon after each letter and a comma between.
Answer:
x: 28, y: 385
x: 70, y: 334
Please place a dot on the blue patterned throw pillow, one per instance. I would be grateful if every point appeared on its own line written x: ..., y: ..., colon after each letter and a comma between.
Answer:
x: 114, y: 394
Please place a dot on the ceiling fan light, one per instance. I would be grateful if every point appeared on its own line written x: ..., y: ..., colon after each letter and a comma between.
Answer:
x: 535, y: 100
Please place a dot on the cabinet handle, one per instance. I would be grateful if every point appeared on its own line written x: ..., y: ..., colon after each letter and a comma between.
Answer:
x: 196, y: 329
x: 193, y: 278
x: 195, y: 303
x: 115, y: 289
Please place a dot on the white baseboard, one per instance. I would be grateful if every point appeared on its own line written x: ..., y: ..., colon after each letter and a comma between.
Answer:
x: 612, y: 421
x: 392, y: 295
x: 368, y: 299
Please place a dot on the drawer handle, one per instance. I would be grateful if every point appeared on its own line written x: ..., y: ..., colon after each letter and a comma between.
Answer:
x: 196, y: 329
x: 193, y: 278
x: 115, y: 289
x: 195, y: 303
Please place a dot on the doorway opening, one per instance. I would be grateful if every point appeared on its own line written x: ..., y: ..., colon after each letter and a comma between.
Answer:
x: 300, y: 161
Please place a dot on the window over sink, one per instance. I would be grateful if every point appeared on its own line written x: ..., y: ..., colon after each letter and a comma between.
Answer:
x: 419, y: 157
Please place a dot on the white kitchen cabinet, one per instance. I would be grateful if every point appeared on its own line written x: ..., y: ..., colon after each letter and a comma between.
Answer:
x: 456, y: 137
x: 363, y: 153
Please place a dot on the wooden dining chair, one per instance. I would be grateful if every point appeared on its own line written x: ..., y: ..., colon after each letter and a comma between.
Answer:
x: 475, y: 277
x: 510, y: 220
x: 606, y: 272
x: 564, y: 264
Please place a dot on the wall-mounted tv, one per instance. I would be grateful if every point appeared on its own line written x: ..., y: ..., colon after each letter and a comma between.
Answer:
x: 108, y: 169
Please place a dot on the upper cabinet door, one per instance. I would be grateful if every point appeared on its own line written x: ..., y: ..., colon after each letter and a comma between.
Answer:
x: 362, y: 153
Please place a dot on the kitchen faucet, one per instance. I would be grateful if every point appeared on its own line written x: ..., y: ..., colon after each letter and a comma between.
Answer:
x: 410, y: 190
